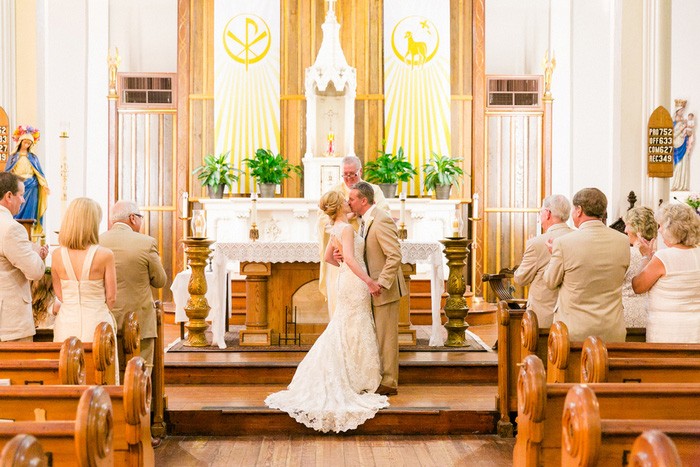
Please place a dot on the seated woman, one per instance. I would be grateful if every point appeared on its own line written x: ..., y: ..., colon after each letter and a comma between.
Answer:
x: 638, y: 221
x: 83, y: 273
x: 672, y: 277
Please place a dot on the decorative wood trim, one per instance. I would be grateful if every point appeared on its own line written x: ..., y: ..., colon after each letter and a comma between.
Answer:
x: 478, y: 124
x: 182, y: 121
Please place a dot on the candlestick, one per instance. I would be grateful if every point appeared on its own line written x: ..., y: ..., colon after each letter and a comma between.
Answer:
x: 199, y: 224
x: 475, y: 206
x: 455, y: 227
x: 185, y: 207
x: 254, y: 209
x: 402, y: 213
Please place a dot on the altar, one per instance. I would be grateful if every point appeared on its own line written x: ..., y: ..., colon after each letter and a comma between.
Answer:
x: 277, y: 273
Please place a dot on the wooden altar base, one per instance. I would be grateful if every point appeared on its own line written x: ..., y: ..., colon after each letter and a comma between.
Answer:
x: 223, y: 393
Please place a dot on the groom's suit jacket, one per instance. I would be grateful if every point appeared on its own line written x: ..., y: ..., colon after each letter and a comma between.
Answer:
x: 383, y: 257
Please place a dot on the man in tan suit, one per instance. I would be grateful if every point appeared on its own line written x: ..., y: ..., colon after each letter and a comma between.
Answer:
x: 352, y: 173
x: 383, y: 259
x: 541, y: 300
x: 138, y: 269
x: 588, y: 267
x: 20, y: 262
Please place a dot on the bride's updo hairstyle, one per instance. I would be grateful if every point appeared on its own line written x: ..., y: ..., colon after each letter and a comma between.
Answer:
x: 330, y: 203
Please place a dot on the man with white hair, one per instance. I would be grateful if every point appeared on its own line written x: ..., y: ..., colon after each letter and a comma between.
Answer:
x: 542, y: 300
x: 138, y: 269
x: 351, y: 168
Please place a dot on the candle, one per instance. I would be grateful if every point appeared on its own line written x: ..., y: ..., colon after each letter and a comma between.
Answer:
x: 199, y: 224
x: 254, y: 210
x: 455, y: 226
x: 402, y: 215
x: 185, y: 197
x: 475, y: 206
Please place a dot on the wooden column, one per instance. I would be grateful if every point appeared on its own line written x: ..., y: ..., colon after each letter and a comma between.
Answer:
x: 257, y: 330
x: 407, y: 336
x: 478, y: 122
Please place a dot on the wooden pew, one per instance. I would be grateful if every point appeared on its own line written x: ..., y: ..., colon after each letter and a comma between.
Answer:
x: 565, y: 357
x: 654, y: 449
x: 160, y: 400
x: 23, y: 451
x: 589, y: 441
x: 69, y: 368
x: 83, y: 437
x: 131, y: 410
x: 509, y: 355
x: 540, y: 408
x: 130, y: 342
x: 598, y: 367
x: 99, y: 354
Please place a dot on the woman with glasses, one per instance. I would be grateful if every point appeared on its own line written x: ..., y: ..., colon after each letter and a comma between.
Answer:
x: 83, y: 273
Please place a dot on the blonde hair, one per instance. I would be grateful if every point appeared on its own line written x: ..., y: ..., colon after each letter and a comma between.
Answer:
x: 681, y: 224
x: 80, y: 225
x: 330, y: 203
x: 641, y: 220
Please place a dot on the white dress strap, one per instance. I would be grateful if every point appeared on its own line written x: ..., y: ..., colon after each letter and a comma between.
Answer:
x: 87, y: 264
x: 67, y: 264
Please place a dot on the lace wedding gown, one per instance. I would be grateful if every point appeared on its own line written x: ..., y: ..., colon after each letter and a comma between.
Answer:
x: 333, y: 387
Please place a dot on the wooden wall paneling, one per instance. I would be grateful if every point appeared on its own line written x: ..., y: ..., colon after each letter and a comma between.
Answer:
x: 184, y: 78
x: 478, y: 108
x: 461, y: 90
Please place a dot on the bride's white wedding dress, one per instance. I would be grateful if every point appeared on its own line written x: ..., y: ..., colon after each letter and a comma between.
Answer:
x: 333, y: 387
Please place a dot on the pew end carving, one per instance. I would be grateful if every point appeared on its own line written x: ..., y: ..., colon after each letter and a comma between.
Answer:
x: 581, y: 428
x: 532, y: 396
x: 506, y: 398
x: 654, y: 449
x: 529, y: 334
x: 71, y: 362
x: 131, y: 340
x: 137, y: 406
x: 104, y: 347
x: 557, y: 352
x: 94, y: 428
x: 23, y: 451
x: 594, y: 361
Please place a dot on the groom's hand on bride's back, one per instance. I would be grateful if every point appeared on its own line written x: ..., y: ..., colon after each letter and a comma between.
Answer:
x: 338, y: 255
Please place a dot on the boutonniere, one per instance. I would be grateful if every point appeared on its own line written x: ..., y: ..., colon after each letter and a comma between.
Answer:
x: 368, y: 222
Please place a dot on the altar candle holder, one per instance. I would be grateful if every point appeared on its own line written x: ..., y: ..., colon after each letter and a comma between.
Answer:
x: 254, y: 233
x: 403, y: 233
x: 199, y: 224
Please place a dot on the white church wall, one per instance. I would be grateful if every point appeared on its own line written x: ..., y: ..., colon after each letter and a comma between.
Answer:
x: 72, y: 88
x: 685, y: 69
x: 145, y: 33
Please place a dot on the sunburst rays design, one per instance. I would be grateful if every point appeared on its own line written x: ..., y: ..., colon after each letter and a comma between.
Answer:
x: 246, y: 106
x: 417, y: 110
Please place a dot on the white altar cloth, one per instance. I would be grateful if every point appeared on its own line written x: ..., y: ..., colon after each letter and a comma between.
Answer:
x: 412, y: 252
x: 216, y: 297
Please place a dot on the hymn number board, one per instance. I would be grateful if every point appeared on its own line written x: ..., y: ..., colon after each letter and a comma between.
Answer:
x: 660, y: 144
x: 4, y: 138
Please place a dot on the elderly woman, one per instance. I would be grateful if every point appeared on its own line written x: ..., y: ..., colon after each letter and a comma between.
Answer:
x: 672, y: 277
x: 638, y: 222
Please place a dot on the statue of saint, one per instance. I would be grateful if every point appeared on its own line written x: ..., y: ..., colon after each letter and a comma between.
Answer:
x: 683, y: 142
x: 25, y: 164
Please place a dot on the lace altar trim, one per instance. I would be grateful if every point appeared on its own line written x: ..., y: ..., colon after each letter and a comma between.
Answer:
x: 412, y: 252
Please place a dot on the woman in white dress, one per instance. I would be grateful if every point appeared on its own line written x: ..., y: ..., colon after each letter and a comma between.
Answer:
x: 672, y: 277
x: 333, y: 387
x: 638, y: 222
x: 88, y: 301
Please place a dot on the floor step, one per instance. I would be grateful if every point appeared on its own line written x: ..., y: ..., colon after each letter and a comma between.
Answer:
x: 417, y: 409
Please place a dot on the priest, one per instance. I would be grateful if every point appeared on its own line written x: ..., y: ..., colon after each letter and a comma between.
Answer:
x: 351, y: 168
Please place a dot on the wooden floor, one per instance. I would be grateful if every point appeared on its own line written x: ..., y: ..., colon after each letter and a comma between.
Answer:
x: 336, y: 451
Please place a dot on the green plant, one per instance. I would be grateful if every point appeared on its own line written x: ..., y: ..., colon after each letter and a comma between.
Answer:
x: 442, y: 170
x: 268, y: 168
x: 389, y: 168
x: 693, y: 200
x: 216, y: 171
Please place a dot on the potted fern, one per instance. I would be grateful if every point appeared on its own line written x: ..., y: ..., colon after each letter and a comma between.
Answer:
x: 216, y: 173
x: 441, y: 172
x: 388, y: 170
x: 269, y: 170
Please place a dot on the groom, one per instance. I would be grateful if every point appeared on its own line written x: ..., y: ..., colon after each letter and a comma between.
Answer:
x: 383, y: 259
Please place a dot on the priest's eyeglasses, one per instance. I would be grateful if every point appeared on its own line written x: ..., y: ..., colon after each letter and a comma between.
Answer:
x: 351, y: 175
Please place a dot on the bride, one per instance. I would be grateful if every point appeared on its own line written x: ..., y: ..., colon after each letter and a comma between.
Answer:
x: 333, y: 387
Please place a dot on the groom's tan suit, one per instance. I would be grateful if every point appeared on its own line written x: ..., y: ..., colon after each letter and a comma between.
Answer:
x: 383, y: 258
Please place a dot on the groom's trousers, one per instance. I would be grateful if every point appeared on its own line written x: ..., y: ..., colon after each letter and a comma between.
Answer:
x: 386, y: 319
